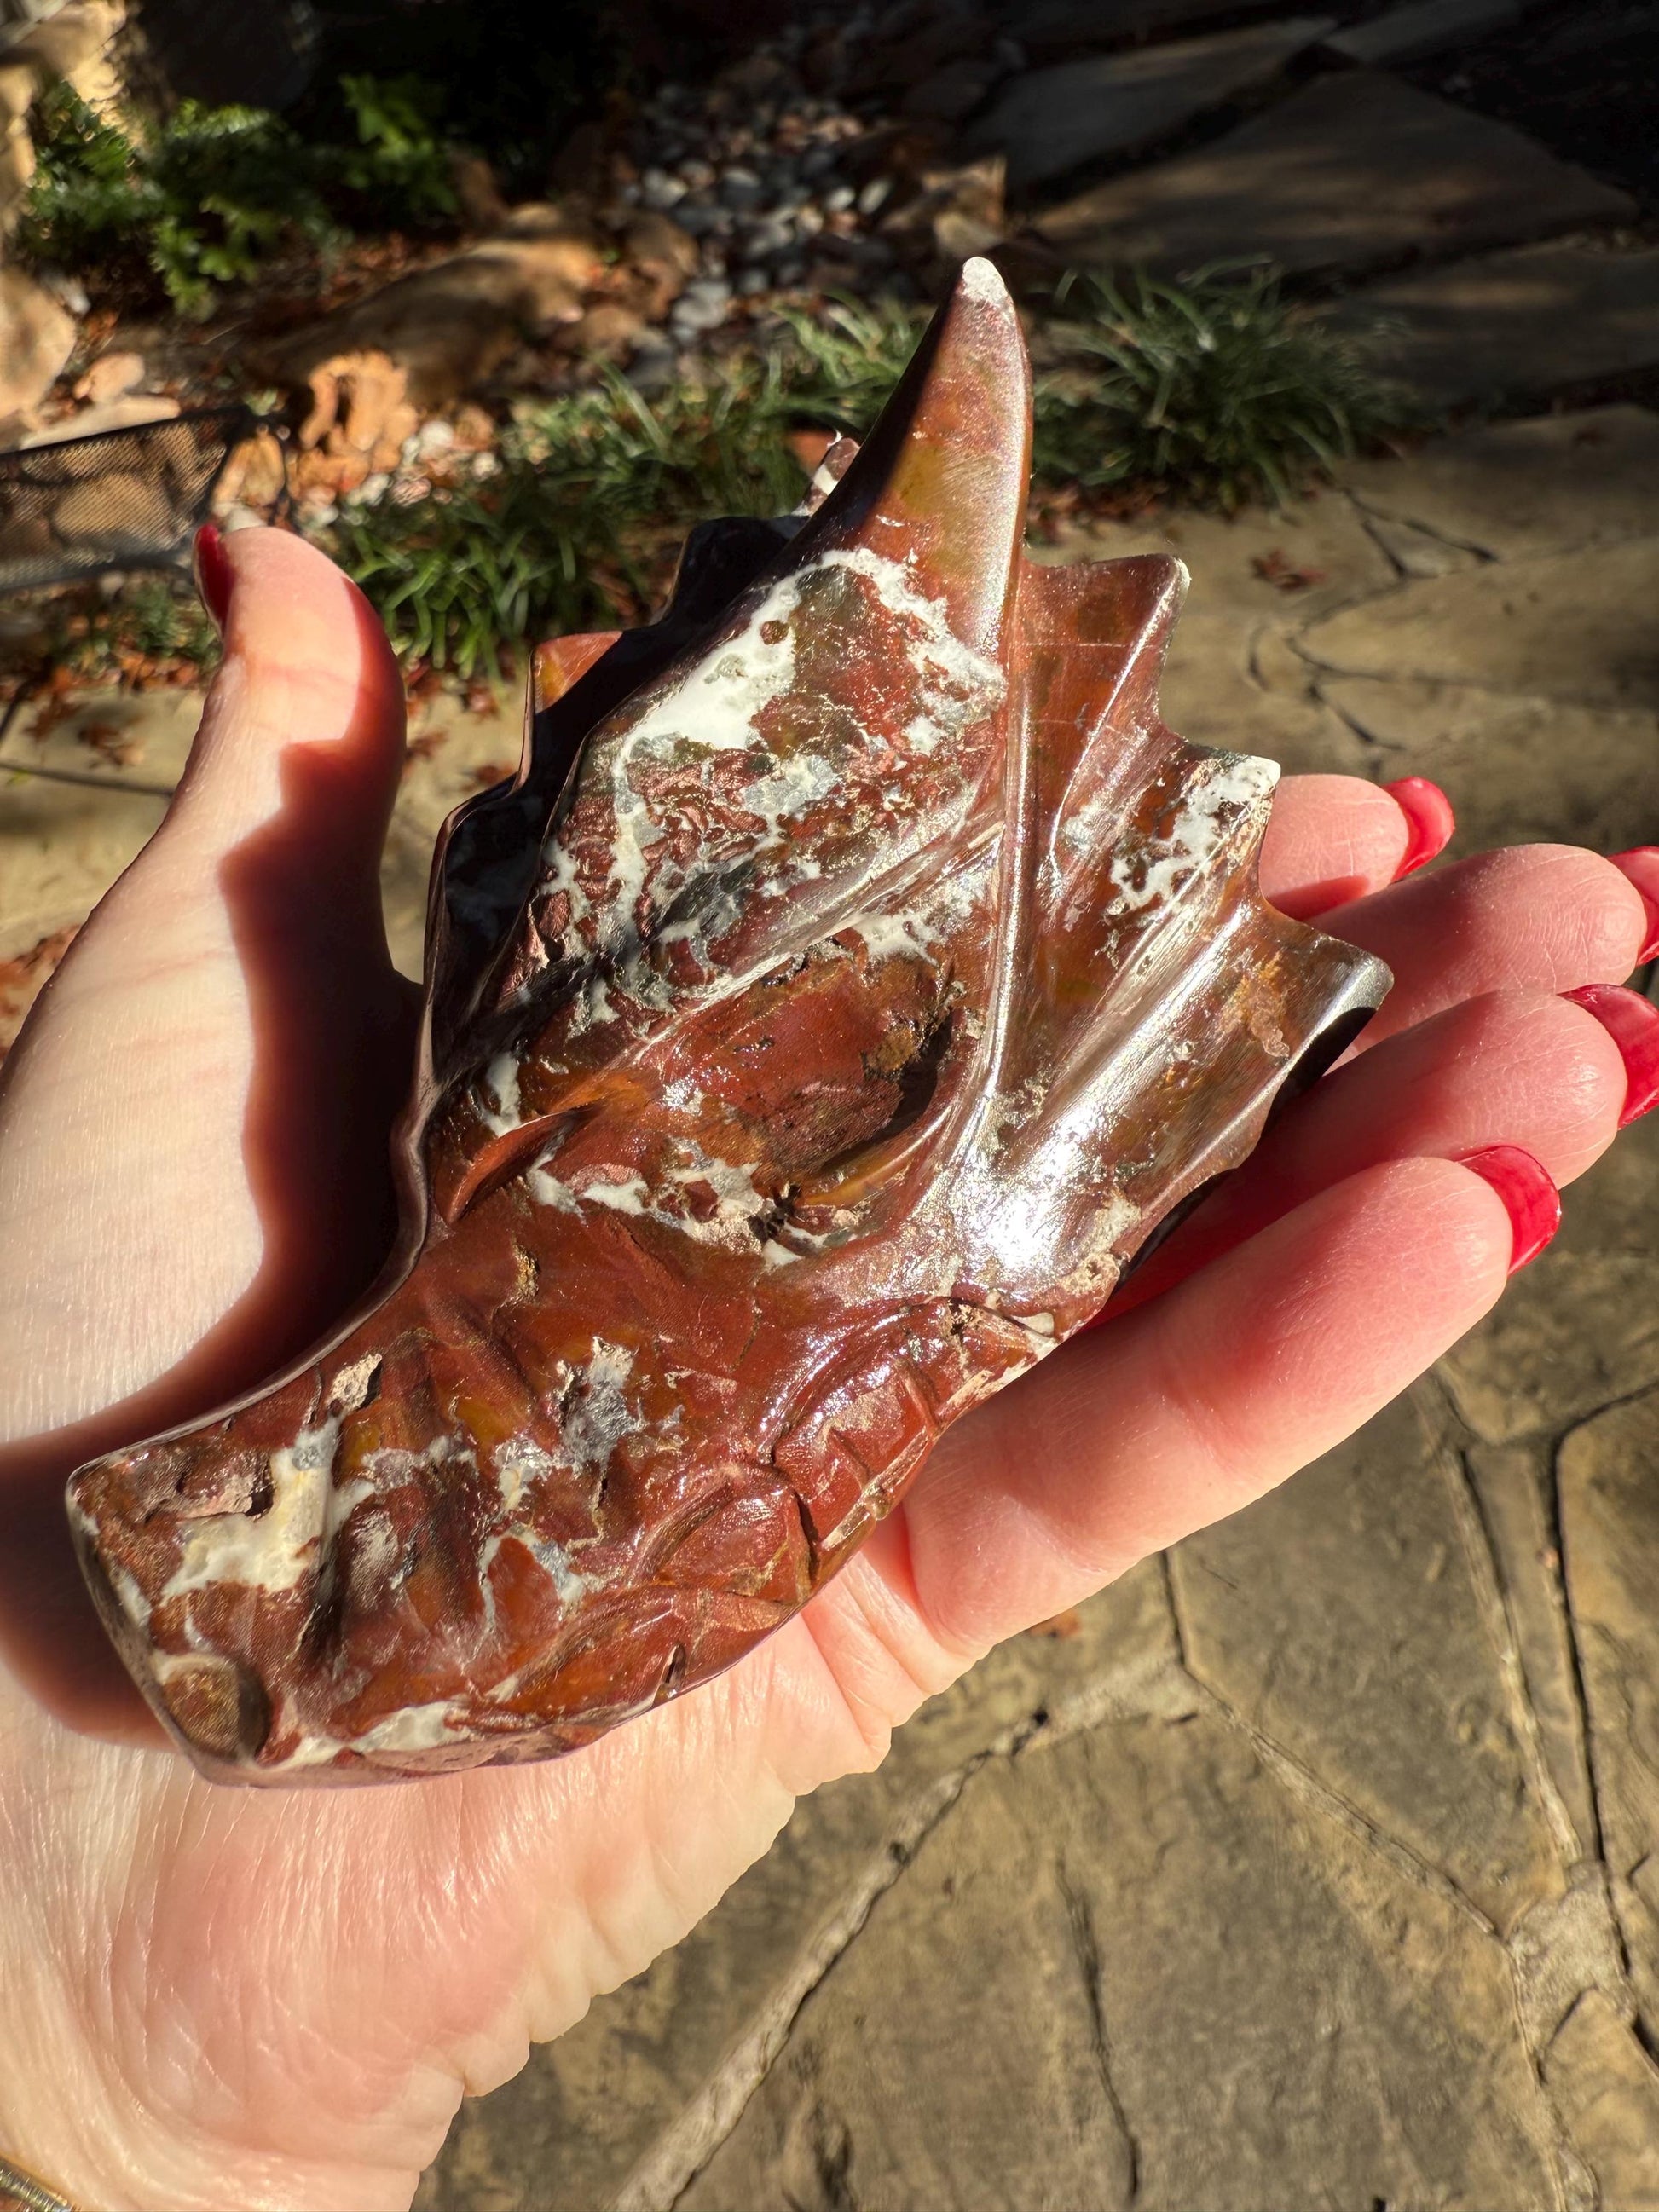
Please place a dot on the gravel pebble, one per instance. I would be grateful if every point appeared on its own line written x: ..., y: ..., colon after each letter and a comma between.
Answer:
x: 755, y: 166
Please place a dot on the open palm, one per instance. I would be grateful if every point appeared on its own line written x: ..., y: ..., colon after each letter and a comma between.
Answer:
x: 214, y: 1997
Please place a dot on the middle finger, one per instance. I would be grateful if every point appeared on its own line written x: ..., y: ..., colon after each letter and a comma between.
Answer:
x: 1517, y: 1067
x: 1550, y: 917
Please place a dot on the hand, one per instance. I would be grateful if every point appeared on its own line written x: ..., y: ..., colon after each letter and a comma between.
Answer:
x: 216, y: 1997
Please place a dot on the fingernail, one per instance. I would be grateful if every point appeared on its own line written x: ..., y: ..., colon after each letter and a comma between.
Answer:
x: 1531, y: 1200
x: 213, y: 575
x: 1632, y: 1022
x: 1641, y: 865
x: 1430, y: 821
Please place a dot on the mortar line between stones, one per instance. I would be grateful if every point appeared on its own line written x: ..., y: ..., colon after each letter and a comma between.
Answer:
x: 1087, y: 1947
x: 1639, y: 2026
x: 1560, y: 550
x: 1172, y: 1602
x: 1474, y: 1535
x: 1347, y: 603
x: 85, y: 781
x: 1636, y: 2024
x: 1368, y: 523
x: 1302, y: 1783
x: 1575, y: 1656
x: 1481, y: 1555
x: 1611, y: 1406
x: 1371, y: 514
x: 1580, y: 1699
x: 657, y: 2181
x: 1562, y: 2147
x: 1374, y: 745
x: 1264, y: 630
x: 1376, y: 749
x: 1576, y: 1661
x: 660, y: 2180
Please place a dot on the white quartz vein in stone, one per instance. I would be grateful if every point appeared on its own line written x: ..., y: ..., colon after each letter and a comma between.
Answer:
x: 277, y: 1548
x: 1228, y: 787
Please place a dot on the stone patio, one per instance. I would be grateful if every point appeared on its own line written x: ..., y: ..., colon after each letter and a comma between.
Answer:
x: 1351, y: 173
x: 79, y: 791
x: 1316, y: 1864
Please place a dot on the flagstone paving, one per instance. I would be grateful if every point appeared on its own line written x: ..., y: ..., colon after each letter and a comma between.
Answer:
x: 1514, y: 327
x: 1351, y: 173
x: 81, y: 790
x: 1048, y: 121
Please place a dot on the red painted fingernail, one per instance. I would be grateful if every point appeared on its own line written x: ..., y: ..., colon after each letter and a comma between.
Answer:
x: 1632, y: 1022
x: 1430, y: 821
x: 1532, y: 1199
x: 213, y: 573
x: 1641, y: 865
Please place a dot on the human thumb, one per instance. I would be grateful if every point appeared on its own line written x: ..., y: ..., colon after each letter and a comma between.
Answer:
x: 193, y: 1121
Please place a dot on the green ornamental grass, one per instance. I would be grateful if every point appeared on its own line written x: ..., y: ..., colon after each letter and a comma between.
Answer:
x: 1213, y: 389
x: 1216, y: 389
x: 577, y: 526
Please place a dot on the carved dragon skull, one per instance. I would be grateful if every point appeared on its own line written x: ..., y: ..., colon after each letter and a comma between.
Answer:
x: 854, y: 978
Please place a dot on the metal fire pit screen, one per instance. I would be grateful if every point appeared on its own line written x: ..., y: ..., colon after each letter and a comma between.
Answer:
x: 123, y: 499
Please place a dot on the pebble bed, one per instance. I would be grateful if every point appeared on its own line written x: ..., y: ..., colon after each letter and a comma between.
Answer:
x: 764, y: 183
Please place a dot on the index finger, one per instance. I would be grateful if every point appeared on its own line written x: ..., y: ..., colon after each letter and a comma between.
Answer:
x: 1334, y: 838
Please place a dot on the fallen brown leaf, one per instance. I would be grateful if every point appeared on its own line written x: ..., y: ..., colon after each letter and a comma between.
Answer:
x: 1275, y: 567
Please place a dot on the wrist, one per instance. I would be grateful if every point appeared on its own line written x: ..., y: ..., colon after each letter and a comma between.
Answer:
x: 59, y: 2124
x: 69, y: 2121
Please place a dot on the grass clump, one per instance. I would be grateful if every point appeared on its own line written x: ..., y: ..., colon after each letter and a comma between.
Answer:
x: 154, y: 629
x: 1214, y: 390
x: 151, y: 634
x: 837, y: 369
x: 579, y: 524
x: 573, y: 529
x: 206, y: 198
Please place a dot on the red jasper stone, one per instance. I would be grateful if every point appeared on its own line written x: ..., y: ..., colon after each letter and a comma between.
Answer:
x: 854, y: 978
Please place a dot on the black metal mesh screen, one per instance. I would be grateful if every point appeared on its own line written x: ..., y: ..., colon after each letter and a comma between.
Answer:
x: 123, y: 499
